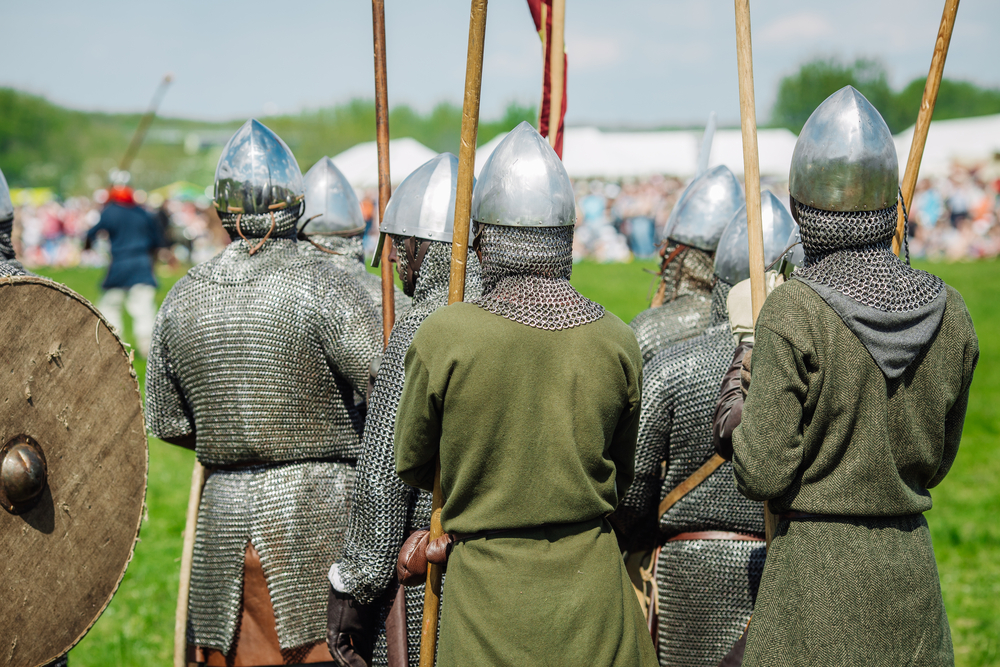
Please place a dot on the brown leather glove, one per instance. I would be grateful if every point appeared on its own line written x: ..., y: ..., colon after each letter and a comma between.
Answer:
x: 745, y: 373
x: 729, y: 408
x: 349, y: 629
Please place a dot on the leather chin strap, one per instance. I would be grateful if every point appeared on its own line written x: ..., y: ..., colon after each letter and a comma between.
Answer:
x: 416, y: 253
x: 266, y: 236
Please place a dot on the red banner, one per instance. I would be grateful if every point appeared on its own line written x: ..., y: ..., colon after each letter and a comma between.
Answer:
x: 541, y: 10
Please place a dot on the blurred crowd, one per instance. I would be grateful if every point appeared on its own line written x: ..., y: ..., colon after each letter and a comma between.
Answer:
x: 952, y: 219
x: 956, y: 218
x: 52, y: 233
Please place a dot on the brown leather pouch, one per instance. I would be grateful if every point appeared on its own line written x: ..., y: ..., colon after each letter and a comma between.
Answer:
x: 411, y: 566
x: 417, y: 551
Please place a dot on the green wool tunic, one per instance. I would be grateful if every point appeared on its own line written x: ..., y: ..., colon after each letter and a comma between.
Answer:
x: 825, y: 432
x: 536, y: 431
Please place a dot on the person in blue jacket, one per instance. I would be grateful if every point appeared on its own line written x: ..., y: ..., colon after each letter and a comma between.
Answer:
x: 135, y: 237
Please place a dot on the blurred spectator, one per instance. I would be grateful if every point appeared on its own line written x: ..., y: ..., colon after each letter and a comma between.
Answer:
x: 135, y: 238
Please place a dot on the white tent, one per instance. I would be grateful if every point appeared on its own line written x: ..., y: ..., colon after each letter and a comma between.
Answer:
x: 360, y: 162
x: 588, y: 152
x: 968, y: 140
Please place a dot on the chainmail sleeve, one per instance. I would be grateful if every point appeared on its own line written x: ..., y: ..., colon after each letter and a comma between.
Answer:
x: 167, y: 413
x: 382, y: 502
x: 635, y: 518
x: 350, y: 329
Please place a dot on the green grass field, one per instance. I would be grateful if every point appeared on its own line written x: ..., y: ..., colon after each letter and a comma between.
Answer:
x: 137, y: 628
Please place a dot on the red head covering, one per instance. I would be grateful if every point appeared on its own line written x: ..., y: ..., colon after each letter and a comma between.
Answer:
x: 121, y: 194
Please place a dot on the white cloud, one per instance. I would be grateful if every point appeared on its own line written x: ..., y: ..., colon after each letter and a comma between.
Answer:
x: 795, y: 28
x: 593, y: 52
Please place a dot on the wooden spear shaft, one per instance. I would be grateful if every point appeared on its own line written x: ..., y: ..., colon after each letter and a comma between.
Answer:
x: 144, y: 123
x: 924, y: 118
x: 187, y: 557
x: 384, y: 184
x: 456, y: 287
x: 557, y: 71
x: 751, y: 179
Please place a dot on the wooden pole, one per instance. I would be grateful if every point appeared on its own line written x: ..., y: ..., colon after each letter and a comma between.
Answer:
x: 187, y: 556
x: 456, y: 288
x: 384, y: 184
x: 924, y: 118
x: 557, y: 72
x: 751, y: 179
x: 144, y: 123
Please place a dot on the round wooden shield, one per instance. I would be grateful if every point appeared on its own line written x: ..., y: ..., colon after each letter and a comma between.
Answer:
x: 73, y: 473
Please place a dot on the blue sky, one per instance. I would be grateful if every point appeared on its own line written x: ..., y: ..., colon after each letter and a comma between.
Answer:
x: 632, y: 62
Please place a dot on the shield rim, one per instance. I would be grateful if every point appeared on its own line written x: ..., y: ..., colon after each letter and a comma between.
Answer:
x: 129, y: 356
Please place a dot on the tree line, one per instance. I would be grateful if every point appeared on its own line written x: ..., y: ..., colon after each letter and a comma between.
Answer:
x: 46, y: 145
x: 800, y: 93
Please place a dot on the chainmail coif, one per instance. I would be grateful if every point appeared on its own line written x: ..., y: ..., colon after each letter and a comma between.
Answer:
x: 686, y: 307
x: 348, y: 255
x: 257, y: 225
x: 9, y: 266
x: 851, y: 253
x: 526, y: 277
x: 385, y: 509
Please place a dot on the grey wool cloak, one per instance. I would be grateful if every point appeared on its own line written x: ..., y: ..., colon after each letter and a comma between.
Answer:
x: 536, y: 431
x: 825, y: 432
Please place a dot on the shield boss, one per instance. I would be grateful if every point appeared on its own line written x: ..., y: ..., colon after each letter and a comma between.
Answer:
x: 73, y: 463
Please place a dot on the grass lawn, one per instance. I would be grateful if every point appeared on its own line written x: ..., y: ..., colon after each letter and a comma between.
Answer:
x: 137, y: 628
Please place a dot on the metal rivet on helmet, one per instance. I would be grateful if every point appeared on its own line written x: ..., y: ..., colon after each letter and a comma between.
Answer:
x: 845, y: 159
x: 704, y: 209
x: 524, y: 184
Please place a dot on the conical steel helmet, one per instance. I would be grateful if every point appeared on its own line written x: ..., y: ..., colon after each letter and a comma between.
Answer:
x: 423, y: 205
x: 732, y: 259
x: 705, y: 208
x: 524, y: 184
x: 6, y: 205
x: 331, y: 204
x: 845, y: 159
x: 257, y: 173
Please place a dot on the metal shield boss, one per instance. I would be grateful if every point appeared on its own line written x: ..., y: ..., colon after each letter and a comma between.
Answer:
x: 732, y: 258
x: 73, y: 466
x: 704, y: 209
x: 332, y: 206
x: 845, y: 159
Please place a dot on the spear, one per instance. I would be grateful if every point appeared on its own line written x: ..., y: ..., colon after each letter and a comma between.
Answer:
x: 384, y: 184
x: 187, y: 558
x: 924, y: 119
x: 751, y: 179
x: 144, y: 123
x: 456, y: 288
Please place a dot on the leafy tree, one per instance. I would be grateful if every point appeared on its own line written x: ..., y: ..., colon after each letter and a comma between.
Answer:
x: 799, y: 94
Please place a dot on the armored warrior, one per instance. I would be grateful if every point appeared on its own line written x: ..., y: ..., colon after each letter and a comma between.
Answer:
x: 9, y: 266
x: 419, y: 220
x: 861, y: 370
x: 685, y: 289
x: 258, y: 360
x: 530, y: 396
x: 333, y: 227
x: 710, y: 538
